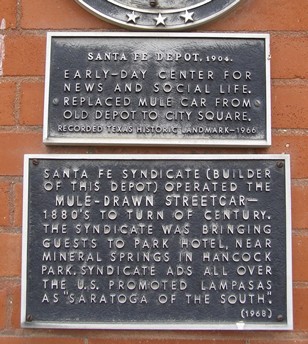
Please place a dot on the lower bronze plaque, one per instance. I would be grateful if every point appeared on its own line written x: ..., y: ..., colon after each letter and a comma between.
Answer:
x: 157, y: 242
x: 154, y: 89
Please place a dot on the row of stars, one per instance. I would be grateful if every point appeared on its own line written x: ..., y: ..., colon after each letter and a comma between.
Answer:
x: 160, y: 19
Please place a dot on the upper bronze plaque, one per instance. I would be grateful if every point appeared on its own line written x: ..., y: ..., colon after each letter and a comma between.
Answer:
x: 158, y: 14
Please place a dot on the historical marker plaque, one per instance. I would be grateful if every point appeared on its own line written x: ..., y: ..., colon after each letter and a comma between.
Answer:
x: 157, y: 242
x: 157, y: 89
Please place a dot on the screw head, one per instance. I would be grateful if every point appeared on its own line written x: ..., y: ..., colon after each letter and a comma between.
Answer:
x: 279, y: 164
x: 55, y: 101
x: 280, y: 317
x: 35, y: 162
x: 257, y: 103
x: 29, y: 318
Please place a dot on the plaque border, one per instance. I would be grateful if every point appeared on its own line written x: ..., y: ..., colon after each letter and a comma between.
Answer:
x: 159, y: 325
x: 117, y: 140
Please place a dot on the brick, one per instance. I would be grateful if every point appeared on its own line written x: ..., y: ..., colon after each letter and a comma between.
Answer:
x: 15, y: 295
x: 40, y: 340
x: 8, y: 13
x: 10, y: 248
x: 8, y: 290
x: 299, y: 206
x: 24, y: 55
x: 285, y: 50
x: 290, y: 106
x: 300, y: 258
x: 282, y: 14
x: 18, y: 144
x: 4, y: 201
x: 271, y: 14
x: 7, y: 103
x: 300, y: 299
x: 3, y: 304
x: 32, y: 104
x: 163, y: 341
x: 58, y: 14
x: 264, y: 15
x: 17, y: 211
x: 297, y: 147
x: 280, y: 341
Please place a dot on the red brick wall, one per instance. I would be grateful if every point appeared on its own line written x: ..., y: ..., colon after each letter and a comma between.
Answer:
x: 24, y: 25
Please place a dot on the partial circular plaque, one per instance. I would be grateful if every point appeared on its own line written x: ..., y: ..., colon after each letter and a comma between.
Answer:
x: 158, y: 14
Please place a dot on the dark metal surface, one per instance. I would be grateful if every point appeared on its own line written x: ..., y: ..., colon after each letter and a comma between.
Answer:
x: 165, y: 242
x: 158, y: 14
x: 176, y: 90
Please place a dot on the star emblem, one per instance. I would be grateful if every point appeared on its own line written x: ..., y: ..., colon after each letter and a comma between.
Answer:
x: 161, y: 15
x: 188, y: 16
x: 131, y: 17
x: 160, y: 20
